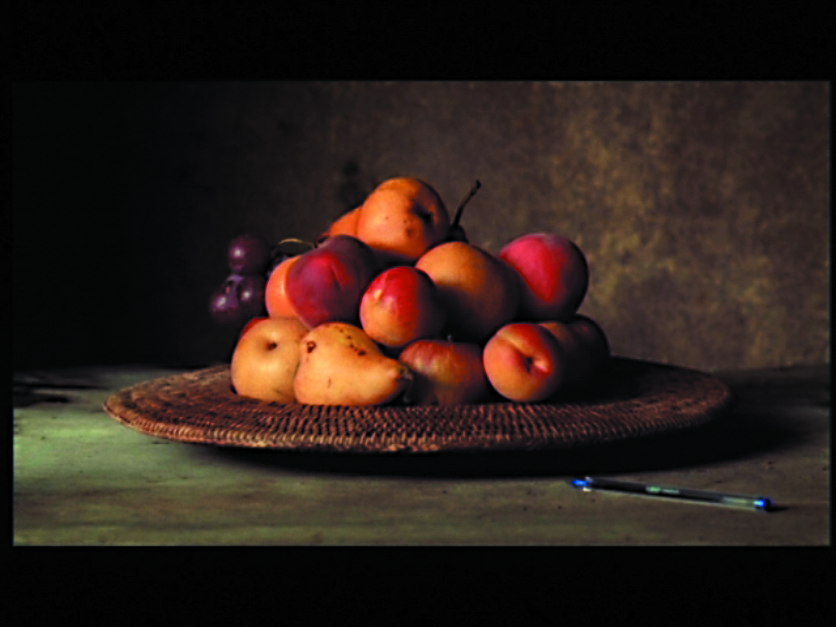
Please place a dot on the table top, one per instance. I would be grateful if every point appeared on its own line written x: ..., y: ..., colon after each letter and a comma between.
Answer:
x: 81, y: 478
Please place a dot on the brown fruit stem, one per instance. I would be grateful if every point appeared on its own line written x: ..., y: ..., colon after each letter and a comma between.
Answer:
x: 464, y: 202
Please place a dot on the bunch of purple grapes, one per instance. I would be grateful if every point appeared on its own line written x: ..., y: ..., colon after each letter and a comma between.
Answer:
x: 241, y: 296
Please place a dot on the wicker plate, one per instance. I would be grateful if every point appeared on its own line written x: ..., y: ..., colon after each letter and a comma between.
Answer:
x: 635, y: 399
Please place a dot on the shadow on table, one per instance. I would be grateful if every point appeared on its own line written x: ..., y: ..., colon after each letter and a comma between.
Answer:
x: 741, y: 434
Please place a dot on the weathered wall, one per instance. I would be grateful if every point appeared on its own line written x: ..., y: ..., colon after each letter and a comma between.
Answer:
x: 702, y: 207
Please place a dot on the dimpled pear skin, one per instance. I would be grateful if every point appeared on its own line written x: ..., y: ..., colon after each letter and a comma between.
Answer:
x: 339, y: 364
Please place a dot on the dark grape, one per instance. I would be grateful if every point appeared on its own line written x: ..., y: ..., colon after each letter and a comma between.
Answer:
x: 250, y: 292
x: 248, y: 254
x: 239, y: 298
x: 224, y: 305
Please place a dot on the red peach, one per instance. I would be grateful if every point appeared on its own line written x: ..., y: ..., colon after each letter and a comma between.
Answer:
x: 555, y: 275
x: 401, y: 305
x: 327, y: 283
x: 445, y: 373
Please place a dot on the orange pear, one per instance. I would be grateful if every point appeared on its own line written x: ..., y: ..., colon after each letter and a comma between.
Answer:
x: 401, y: 219
x: 480, y: 292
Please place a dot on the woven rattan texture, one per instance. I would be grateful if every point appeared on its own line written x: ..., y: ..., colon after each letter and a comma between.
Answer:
x: 634, y: 399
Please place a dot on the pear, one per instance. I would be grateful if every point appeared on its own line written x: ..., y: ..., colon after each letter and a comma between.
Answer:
x: 402, y: 219
x: 339, y: 364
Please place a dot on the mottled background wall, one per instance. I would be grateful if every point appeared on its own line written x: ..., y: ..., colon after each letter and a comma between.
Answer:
x: 703, y: 208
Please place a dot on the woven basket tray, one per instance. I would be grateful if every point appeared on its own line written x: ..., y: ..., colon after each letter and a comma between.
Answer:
x: 634, y: 399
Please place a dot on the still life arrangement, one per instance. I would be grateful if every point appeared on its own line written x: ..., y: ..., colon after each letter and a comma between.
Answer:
x: 393, y: 332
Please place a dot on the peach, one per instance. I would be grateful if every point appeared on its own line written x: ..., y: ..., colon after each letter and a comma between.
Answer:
x: 275, y: 293
x: 327, y: 283
x: 594, y: 338
x: 401, y: 305
x: 579, y: 356
x: 346, y: 224
x: 445, y: 373
x: 555, y: 275
x: 524, y: 362
x: 265, y: 359
x: 401, y: 219
x: 479, y: 291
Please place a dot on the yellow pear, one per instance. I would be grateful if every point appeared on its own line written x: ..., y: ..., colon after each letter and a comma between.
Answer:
x: 339, y: 364
x: 264, y: 361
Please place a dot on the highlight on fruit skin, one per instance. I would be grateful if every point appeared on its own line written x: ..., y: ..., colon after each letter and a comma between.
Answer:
x: 401, y: 305
x: 554, y: 273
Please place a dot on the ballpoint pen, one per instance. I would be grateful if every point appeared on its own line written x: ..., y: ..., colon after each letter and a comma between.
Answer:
x: 758, y: 503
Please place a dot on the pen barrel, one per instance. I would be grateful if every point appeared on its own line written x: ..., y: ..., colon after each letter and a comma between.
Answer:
x: 686, y: 494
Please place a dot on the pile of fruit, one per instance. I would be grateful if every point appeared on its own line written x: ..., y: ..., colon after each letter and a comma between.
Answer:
x: 393, y: 305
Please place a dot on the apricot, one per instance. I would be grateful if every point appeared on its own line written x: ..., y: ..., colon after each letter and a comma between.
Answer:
x: 275, y: 293
x: 524, y: 362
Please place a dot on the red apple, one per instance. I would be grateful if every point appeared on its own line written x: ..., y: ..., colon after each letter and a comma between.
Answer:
x: 327, y: 283
x: 445, y: 373
x: 401, y: 305
x: 265, y: 359
x: 555, y: 275
x: 524, y: 362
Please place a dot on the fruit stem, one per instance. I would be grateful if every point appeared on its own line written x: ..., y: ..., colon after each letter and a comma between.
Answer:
x: 464, y: 202
x: 294, y: 240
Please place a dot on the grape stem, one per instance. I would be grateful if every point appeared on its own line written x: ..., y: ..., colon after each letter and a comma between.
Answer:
x: 464, y: 202
x: 294, y: 240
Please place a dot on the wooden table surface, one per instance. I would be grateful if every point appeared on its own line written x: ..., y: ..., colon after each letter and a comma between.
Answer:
x: 81, y: 478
